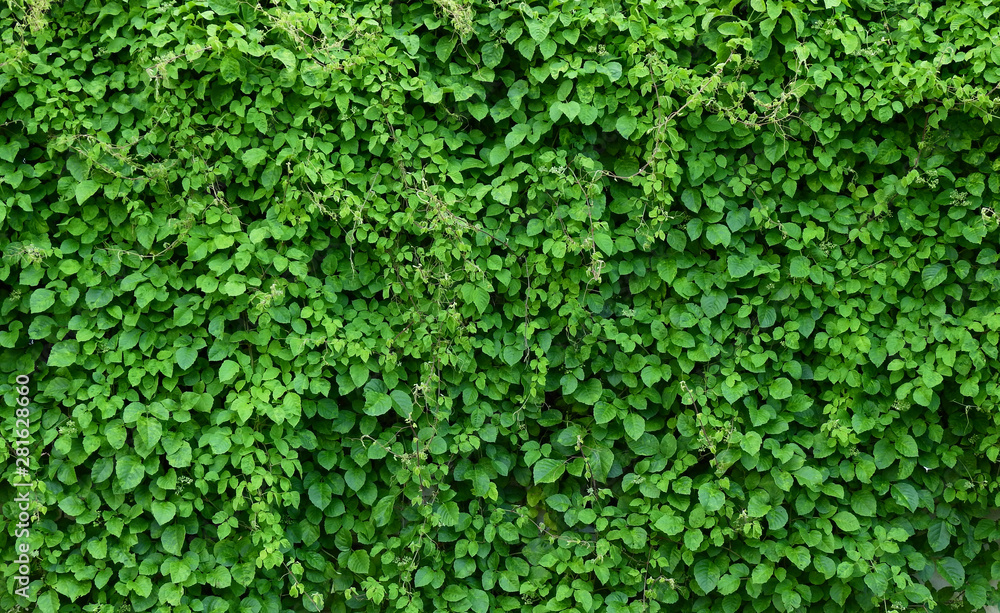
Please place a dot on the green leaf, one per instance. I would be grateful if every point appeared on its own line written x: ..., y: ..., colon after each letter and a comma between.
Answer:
x: 780, y: 388
x: 228, y: 371
x: 934, y: 275
x: 72, y: 506
x: 671, y: 525
x: 444, y: 47
x: 952, y: 571
x: 498, y: 154
x: 906, y: 495
x: 923, y: 396
x: 163, y: 512
x: 751, y: 443
x: 173, y: 539
x: 847, y: 521
x: 739, y: 267
x: 799, y: 267
x: 938, y: 536
x: 626, y: 125
x: 548, y: 470
x: 64, y: 353
x: 284, y: 56
x: 706, y: 574
x: 481, y: 298
x: 492, y: 54
x: 863, y: 503
x: 589, y: 392
x: 48, y: 602
x: 229, y: 68
x: 906, y: 445
x: 423, y: 577
x: 41, y: 300
x: 86, y: 189
x: 185, y: 357
x: 402, y: 402
x: 359, y: 374
x: 604, y: 412
x: 321, y: 494
x: 635, y: 426
x: 537, y: 29
x: 378, y: 404
x: 355, y: 478
x: 976, y: 595
x: 129, y: 471
x: 149, y: 430
x: 255, y: 156
x: 711, y: 498
x: 714, y: 303
x: 516, y: 135
x: 558, y: 502
x: 359, y: 562
x: 718, y: 234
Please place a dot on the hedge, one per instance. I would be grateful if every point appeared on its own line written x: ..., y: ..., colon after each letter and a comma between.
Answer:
x: 465, y: 305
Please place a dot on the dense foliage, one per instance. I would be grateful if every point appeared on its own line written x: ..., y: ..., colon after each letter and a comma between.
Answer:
x: 453, y: 305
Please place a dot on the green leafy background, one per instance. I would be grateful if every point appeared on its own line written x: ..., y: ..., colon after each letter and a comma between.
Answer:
x: 455, y: 305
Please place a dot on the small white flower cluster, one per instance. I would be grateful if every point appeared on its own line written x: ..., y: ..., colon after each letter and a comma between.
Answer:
x: 929, y: 178
x: 69, y: 428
